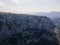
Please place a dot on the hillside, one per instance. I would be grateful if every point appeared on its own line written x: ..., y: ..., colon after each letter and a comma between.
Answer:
x: 57, y: 23
x: 23, y: 29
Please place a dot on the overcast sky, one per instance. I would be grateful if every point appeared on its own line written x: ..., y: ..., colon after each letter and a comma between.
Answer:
x: 27, y: 6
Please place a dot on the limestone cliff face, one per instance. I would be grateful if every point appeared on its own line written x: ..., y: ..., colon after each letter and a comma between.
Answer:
x: 23, y: 29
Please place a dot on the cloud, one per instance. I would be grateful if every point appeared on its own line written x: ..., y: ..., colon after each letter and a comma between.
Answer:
x: 2, y: 3
x: 26, y: 6
x: 16, y: 1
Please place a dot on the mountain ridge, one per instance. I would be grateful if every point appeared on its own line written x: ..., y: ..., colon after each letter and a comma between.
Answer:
x: 52, y: 15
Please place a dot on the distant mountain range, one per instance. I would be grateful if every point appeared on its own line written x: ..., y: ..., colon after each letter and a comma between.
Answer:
x: 52, y: 15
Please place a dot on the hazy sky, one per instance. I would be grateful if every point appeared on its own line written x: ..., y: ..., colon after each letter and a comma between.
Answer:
x: 27, y: 6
